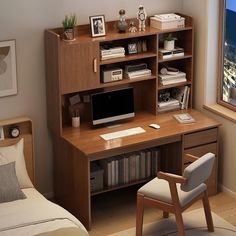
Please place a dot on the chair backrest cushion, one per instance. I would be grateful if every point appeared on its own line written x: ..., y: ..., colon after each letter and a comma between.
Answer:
x: 198, y: 172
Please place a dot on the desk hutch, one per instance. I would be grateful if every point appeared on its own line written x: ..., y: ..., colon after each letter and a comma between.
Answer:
x: 74, y: 68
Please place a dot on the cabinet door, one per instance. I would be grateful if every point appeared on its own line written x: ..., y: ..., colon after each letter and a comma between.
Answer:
x: 79, y: 67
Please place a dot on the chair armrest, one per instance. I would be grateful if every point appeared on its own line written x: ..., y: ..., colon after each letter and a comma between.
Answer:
x: 171, y: 178
x: 190, y: 158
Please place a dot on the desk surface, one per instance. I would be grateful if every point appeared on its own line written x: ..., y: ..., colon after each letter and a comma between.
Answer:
x: 88, y: 140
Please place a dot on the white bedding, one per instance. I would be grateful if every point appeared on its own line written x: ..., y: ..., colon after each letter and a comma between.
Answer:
x: 34, y: 215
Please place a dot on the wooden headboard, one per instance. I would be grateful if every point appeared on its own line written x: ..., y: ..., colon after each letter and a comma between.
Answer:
x: 26, y: 131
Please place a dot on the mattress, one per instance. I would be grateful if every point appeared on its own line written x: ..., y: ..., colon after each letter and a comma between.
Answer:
x: 36, y: 215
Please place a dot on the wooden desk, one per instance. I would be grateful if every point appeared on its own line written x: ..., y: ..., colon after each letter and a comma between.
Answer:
x: 78, y: 147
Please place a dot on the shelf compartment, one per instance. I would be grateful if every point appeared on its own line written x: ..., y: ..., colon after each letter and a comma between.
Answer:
x: 108, y: 189
x: 129, y: 58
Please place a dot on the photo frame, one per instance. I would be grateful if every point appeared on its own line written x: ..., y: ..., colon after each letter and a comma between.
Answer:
x: 132, y: 48
x: 1, y: 133
x: 97, y: 24
x: 8, y: 82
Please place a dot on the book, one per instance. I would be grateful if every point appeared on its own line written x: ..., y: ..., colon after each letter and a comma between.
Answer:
x: 173, y: 81
x: 112, y: 51
x: 116, y: 55
x: 184, y: 118
x: 169, y: 108
x: 172, y: 101
x: 176, y: 75
x: 164, y: 54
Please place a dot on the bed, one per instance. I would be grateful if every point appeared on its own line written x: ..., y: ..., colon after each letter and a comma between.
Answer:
x: 23, y: 210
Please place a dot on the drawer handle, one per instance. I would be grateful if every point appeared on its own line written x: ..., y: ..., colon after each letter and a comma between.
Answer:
x: 95, y: 64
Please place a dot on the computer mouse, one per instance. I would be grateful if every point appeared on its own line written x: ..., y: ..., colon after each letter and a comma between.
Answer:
x: 155, y: 126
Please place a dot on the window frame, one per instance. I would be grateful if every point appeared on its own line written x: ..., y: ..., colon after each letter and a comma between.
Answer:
x: 219, y: 98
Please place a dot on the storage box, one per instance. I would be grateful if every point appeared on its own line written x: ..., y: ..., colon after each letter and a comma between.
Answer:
x: 96, y: 177
x: 178, y: 23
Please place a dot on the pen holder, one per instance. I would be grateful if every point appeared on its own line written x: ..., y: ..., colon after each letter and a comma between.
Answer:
x: 75, y: 121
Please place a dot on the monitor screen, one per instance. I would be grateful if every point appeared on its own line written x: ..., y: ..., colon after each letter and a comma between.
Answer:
x: 112, y: 105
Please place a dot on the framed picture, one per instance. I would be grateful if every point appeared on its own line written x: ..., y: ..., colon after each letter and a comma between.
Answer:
x: 8, y: 83
x: 1, y: 133
x: 132, y: 48
x: 97, y: 24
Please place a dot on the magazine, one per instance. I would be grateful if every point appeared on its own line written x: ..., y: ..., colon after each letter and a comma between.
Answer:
x: 184, y: 118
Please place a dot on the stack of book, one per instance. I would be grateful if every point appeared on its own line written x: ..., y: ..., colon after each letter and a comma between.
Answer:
x: 165, y: 54
x: 167, y: 21
x: 132, y: 167
x: 177, y: 77
x: 113, y: 52
x: 137, y: 73
x: 171, y: 104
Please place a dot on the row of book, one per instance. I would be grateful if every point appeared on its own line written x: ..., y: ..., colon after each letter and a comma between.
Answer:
x: 113, y: 52
x: 132, y: 167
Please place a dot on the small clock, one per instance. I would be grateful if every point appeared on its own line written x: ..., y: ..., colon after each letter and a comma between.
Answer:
x: 14, y: 132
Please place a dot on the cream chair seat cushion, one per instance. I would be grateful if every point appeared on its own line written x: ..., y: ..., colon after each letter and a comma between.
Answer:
x: 159, y: 189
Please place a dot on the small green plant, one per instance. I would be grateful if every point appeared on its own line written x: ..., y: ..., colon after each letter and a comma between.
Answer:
x: 69, y: 21
x: 170, y: 38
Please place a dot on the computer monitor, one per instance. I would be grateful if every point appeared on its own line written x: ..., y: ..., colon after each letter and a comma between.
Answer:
x: 112, y: 105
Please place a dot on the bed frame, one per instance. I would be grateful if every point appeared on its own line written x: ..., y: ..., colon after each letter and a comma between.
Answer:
x: 26, y: 131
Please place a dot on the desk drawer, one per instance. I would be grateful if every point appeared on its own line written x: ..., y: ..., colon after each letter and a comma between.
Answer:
x: 199, y: 138
x: 202, y: 150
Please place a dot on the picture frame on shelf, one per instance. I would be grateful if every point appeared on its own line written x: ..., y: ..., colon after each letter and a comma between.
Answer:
x: 132, y: 48
x: 8, y: 80
x: 98, y: 27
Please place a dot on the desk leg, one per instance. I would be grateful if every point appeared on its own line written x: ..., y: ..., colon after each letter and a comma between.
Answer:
x: 71, y: 181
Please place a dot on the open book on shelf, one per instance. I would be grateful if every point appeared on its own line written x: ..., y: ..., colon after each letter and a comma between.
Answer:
x: 184, y: 118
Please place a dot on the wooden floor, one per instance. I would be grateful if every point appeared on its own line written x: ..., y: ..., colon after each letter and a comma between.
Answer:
x: 115, y: 211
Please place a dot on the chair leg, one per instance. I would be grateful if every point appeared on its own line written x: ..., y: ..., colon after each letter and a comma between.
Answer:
x: 139, y: 215
x: 179, y: 223
x: 207, y: 211
x: 165, y: 214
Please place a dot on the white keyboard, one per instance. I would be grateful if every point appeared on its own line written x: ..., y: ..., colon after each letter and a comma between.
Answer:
x: 123, y: 133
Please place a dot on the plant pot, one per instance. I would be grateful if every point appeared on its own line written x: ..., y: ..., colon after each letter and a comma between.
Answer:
x: 68, y: 34
x: 169, y: 45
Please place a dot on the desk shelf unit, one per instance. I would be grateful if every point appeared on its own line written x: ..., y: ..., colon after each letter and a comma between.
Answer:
x: 75, y: 68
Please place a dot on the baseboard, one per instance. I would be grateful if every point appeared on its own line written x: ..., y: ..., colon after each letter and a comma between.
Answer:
x: 226, y: 190
x: 49, y: 195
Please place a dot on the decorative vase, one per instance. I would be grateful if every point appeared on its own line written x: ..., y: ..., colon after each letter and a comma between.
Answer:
x: 122, y: 26
x: 68, y: 34
x: 169, y: 45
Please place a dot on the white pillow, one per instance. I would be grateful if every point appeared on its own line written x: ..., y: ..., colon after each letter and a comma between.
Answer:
x: 15, y: 153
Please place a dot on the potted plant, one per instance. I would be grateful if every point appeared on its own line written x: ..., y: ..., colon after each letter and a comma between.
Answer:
x: 169, y: 42
x: 69, y: 24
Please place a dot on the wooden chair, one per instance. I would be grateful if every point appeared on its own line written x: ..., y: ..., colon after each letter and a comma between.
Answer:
x: 174, y: 193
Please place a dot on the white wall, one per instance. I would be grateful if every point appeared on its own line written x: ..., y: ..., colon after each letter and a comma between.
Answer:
x: 205, y: 13
x: 25, y: 21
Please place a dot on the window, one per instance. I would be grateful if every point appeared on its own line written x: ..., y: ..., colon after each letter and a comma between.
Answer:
x: 227, y: 78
